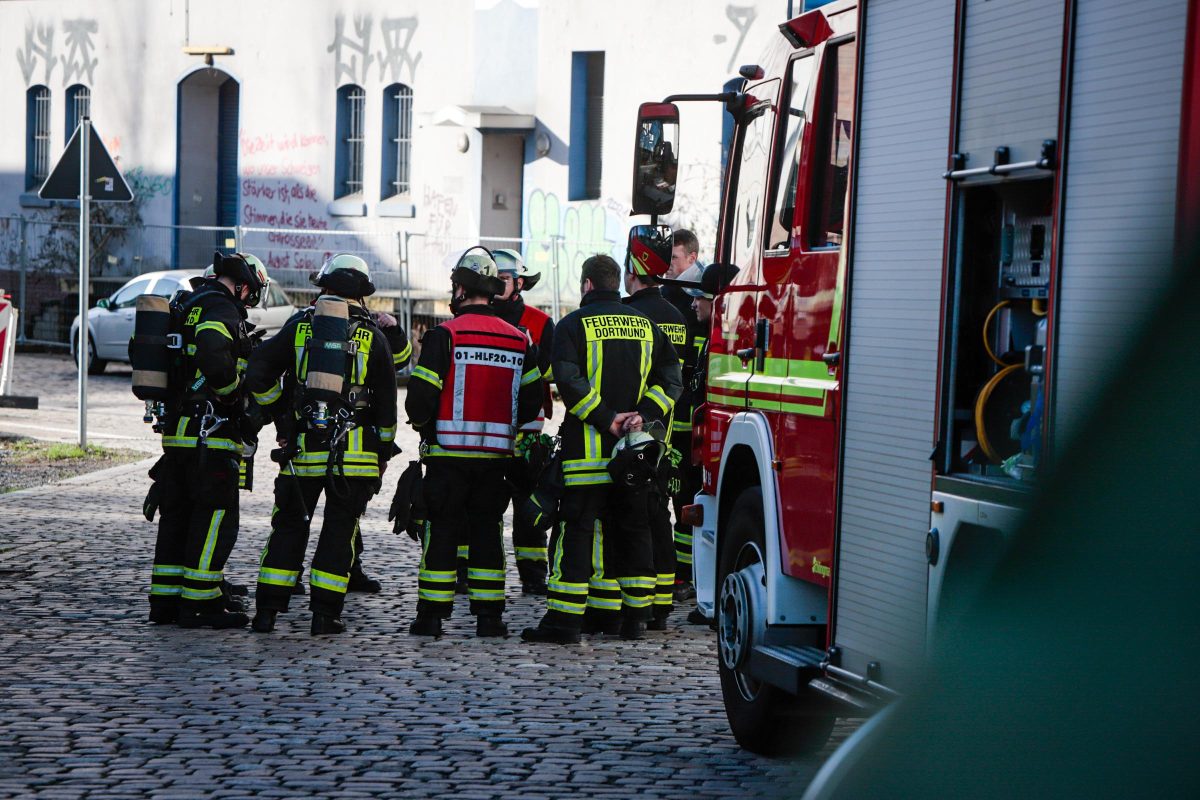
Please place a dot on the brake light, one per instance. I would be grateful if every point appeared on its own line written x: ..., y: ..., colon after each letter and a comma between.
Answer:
x: 692, y: 515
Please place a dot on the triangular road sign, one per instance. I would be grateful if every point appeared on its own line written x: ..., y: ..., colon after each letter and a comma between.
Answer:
x: 107, y: 182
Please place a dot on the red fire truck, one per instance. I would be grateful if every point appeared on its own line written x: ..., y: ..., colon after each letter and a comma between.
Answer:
x: 948, y: 215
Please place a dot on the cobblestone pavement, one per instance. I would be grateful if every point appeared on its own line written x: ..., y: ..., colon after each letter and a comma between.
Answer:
x: 101, y: 704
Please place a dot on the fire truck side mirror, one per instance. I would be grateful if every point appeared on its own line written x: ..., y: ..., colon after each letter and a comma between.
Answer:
x: 655, y: 158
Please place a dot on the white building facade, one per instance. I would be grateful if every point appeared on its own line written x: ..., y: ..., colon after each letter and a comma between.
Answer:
x: 404, y: 130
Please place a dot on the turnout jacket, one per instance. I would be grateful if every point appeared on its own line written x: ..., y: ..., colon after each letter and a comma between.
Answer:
x: 662, y: 313
x: 608, y: 358
x: 697, y: 342
x: 216, y: 345
x: 275, y: 380
x: 477, y: 380
x: 541, y: 330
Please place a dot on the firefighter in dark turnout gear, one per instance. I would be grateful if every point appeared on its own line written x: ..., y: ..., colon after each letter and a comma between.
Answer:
x: 617, y: 373
x: 203, y: 435
x: 528, y: 542
x: 476, y: 382
x: 401, y: 354
x: 685, y: 249
x: 340, y: 449
x: 647, y: 259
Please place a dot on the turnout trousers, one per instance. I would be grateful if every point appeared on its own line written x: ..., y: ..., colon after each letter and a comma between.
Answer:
x: 689, y: 475
x: 283, y: 556
x: 662, y: 542
x: 465, y: 500
x: 197, y: 527
x: 600, y: 556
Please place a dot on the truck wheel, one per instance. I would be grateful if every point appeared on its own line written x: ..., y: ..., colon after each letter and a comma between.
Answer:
x: 763, y: 718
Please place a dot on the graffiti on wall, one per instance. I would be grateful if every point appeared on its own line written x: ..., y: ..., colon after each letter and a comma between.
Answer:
x: 352, y: 53
x: 566, y: 234
x: 278, y: 192
x: 441, y: 211
x: 77, y: 63
x: 148, y: 187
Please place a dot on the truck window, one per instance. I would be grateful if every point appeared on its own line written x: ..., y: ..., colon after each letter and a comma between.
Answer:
x: 784, y: 218
x: 754, y: 156
x: 835, y: 120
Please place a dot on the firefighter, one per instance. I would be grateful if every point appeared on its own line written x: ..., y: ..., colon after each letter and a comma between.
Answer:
x: 648, y: 258
x: 684, y: 252
x: 617, y: 374
x: 713, y: 279
x: 477, y: 380
x: 528, y: 542
x: 203, y: 436
x: 401, y: 354
x: 339, y: 447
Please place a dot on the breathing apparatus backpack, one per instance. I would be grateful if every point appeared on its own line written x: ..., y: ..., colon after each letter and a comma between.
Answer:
x: 327, y: 354
x: 156, y: 352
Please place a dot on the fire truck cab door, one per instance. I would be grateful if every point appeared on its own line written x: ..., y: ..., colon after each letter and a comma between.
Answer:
x: 734, y: 356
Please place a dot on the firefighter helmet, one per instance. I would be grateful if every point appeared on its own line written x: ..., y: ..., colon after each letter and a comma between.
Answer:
x: 476, y: 271
x: 346, y: 275
x: 243, y: 270
x: 649, y: 251
x: 510, y: 261
x: 635, y: 459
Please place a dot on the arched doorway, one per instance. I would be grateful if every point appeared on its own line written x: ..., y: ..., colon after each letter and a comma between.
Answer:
x: 206, y: 170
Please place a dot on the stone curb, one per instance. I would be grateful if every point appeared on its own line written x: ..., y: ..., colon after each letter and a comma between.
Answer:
x: 111, y: 473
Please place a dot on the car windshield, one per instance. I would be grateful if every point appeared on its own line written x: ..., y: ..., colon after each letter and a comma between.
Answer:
x: 167, y: 286
x: 129, y: 292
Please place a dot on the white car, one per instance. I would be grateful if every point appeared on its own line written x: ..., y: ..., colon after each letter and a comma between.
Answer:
x: 110, y: 322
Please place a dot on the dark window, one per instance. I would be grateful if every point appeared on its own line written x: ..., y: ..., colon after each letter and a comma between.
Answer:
x: 37, y: 136
x: 397, y: 141
x: 348, y: 168
x: 783, y: 218
x: 79, y: 105
x: 835, y: 134
x: 587, y: 126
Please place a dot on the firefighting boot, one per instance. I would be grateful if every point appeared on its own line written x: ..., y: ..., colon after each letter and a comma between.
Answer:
x: 696, y: 617
x: 326, y: 624
x: 606, y: 622
x: 235, y: 589
x: 533, y: 577
x: 361, y: 582
x: 632, y: 628
x: 489, y: 625
x: 550, y: 634
x: 229, y: 602
x: 684, y: 591
x: 425, y: 626
x: 658, y: 621
x: 264, y: 620
x: 164, y: 614
x: 217, y: 620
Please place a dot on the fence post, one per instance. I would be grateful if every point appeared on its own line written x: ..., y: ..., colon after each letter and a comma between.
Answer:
x: 22, y: 259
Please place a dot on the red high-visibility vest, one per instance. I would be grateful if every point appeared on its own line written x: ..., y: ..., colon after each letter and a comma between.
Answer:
x: 478, y: 408
x: 534, y: 320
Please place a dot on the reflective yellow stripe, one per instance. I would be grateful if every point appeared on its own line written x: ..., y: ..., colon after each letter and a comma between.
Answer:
x: 660, y: 398
x: 213, y: 326
x: 224, y: 390
x: 554, y: 604
x: 587, y: 404
x: 278, y: 577
x: 387, y: 434
x: 486, y: 574
x: 489, y: 595
x: 269, y: 396
x: 532, y: 375
x: 403, y: 355
x: 328, y: 581
x: 202, y: 575
x: 438, y: 576
x: 566, y: 588
x: 436, y: 596
x: 210, y: 541
x: 167, y: 569
x: 188, y: 593
x: 604, y: 603
x: 428, y: 375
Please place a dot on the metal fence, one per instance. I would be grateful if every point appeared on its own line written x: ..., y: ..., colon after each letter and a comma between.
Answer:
x: 39, y: 264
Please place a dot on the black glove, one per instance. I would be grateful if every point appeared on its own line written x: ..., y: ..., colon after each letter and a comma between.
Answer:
x: 252, y: 421
x: 407, y: 502
x: 150, y: 504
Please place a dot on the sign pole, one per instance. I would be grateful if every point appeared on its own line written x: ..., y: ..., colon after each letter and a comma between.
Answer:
x: 84, y: 257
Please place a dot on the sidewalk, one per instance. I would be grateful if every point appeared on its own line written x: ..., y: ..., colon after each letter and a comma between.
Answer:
x: 102, y: 704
